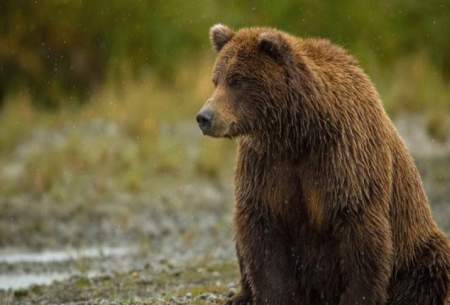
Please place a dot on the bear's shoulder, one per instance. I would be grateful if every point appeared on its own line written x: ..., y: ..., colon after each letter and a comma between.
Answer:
x: 324, y: 50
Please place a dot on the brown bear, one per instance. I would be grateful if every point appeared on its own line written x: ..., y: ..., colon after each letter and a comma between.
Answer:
x: 330, y: 208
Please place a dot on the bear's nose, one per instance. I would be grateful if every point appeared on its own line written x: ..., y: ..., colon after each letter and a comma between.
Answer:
x: 204, y: 119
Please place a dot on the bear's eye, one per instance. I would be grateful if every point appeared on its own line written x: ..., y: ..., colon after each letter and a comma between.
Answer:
x: 234, y: 81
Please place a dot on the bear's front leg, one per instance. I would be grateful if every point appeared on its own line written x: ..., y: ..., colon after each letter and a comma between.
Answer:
x: 244, y: 297
x: 269, y: 264
x: 366, y: 256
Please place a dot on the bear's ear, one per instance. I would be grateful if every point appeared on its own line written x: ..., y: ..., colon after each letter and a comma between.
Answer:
x: 219, y: 35
x: 273, y: 45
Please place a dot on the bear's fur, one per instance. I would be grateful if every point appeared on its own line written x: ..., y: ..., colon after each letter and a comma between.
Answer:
x: 330, y: 208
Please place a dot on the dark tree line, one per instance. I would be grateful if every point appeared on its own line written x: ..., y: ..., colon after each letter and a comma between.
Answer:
x: 60, y: 50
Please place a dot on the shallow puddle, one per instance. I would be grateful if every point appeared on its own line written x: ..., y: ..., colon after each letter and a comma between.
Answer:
x: 48, y: 256
x: 21, y: 280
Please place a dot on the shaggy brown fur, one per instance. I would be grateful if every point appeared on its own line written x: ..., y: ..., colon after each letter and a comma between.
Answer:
x: 330, y: 208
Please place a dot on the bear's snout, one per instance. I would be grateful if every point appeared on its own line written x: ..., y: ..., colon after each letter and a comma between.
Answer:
x: 204, y: 120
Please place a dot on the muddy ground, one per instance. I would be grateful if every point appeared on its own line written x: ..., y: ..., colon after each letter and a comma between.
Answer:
x: 171, y: 248
x: 169, y: 242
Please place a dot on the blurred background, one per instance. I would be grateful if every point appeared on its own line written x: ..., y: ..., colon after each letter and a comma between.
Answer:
x: 106, y: 184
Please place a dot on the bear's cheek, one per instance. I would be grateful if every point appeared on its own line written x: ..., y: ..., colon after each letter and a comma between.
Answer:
x: 225, y: 121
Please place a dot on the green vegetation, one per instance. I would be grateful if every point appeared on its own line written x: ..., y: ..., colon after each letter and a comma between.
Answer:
x: 62, y: 51
x: 112, y: 79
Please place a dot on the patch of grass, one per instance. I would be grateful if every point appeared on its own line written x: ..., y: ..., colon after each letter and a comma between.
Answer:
x: 134, y: 129
x: 17, y: 118
x: 438, y: 125
x: 212, y: 157
x: 413, y: 84
x: 130, y: 130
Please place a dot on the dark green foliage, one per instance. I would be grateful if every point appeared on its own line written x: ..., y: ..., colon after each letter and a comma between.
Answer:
x: 60, y: 50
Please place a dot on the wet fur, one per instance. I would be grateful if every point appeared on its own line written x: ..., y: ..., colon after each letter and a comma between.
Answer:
x: 330, y: 208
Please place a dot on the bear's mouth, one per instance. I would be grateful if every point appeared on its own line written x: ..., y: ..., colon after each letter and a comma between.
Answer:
x: 232, y: 131
x: 220, y: 130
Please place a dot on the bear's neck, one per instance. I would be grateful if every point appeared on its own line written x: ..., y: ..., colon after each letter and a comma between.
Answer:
x: 283, y: 149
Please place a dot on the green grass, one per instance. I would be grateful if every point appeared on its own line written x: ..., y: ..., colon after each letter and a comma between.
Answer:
x: 414, y: 85
x: 133, y: 129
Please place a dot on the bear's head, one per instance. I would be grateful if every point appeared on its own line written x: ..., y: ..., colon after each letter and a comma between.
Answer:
x: 252, y: 79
